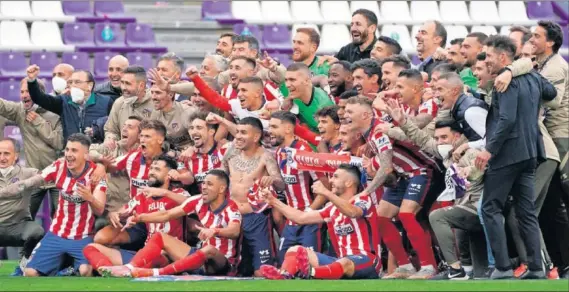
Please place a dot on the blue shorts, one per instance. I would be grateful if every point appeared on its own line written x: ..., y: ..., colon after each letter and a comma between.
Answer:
x: 414, y: 189
x: 365, y: 267
x: 257, y: 248
x: 49, y: 253
x: 305, y: 235
x: 126, y: 255
x: 137, y: 235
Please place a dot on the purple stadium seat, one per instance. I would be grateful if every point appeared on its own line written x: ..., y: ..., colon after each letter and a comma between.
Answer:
x: 115, y: 37
x: 109, y: 8
x: 248, y: 29
x: 79, y: 60
x: 277, y: 38
x: 540, y: 10
x: 78, y: 8
x: 78, y: 34
x: 141, y: 36
x: 112, y: 10
x: 141, y: 59
x: 219, y: 11
x: 101, y: 61
x: 10, y: 90
x: 13, y: 65
x: 284, y: 59
x: 46, y: 61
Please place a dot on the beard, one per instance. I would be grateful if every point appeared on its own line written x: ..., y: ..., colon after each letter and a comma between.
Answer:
x: 155, y: 183
x: 278, y: 141
x: 363, y: 38
x: 341, y: 88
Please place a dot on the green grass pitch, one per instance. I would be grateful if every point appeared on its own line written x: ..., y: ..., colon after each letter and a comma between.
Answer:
x: 8, y: 283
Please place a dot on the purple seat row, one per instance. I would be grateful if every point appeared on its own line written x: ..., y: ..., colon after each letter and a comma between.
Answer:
x: 99, y: 12
x: 14, y: 64
x: 109, y: 36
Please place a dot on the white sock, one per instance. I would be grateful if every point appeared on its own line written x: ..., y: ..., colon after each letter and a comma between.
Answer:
x: 468, y: 268
x: 155, y: 272
x: 408, y: 266
x: 129, y: 266
x: 427, y: 267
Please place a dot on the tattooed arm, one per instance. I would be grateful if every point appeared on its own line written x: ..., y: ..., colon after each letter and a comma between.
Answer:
x: 385, y: 168
x: 274, y: 171
x: 231, y: 152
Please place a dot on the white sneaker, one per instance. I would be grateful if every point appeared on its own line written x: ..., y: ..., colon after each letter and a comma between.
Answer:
x: 24, y: 262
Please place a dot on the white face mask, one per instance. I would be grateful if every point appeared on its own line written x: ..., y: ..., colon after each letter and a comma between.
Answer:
x: 77, y: 95
x: 444, y: 150
x: 6, y: 170
x: 59, y: 84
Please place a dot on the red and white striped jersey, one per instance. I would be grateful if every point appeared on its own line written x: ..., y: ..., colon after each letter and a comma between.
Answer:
x: 298, y: 183
x: 74, y: 217
x: 141, y: 204
x: 220, y: 218
x: 408, y: 158
x: 378, y: 193
x: 201, y: 163
x: 137, y: 169
x: 353, y: 236
x: 271, y: 92
x: 427, y: 107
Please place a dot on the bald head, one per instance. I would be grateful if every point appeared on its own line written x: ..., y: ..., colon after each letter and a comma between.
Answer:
x: 117, y: 65
x: 63, y: 70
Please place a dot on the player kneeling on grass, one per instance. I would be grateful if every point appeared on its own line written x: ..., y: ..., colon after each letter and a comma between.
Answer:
x: 222, y: 223
x: 156, y: 197
x: 354, y: 237
x: 81, y: 197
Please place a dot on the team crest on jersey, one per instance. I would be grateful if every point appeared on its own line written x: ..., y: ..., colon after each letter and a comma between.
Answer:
x: 344, y: 229
x: 174, y: 126
x: 146, y: 112
x: 214, y: 159
x: 14, y: 180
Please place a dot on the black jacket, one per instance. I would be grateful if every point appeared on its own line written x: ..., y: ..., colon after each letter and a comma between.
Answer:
x: 351, y: 52
x: 74, y: 119
x: 107, y: 90
x: 512, y: 132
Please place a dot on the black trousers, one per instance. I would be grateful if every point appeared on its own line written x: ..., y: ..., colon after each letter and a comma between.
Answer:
x: 518, y: 181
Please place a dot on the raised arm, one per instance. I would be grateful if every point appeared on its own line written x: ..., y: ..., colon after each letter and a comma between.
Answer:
x: 210, y: 95
x: 46, y: 101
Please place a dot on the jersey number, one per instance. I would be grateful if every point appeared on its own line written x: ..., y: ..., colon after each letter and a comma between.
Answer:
x: 159, y: 227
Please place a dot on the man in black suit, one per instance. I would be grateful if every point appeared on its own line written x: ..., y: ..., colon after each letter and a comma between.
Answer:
x: 513, y: 146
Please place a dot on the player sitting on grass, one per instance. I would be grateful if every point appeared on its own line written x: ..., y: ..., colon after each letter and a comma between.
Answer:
x: 354, y: 237
x: 217, y: 256
x: 156, y: 197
